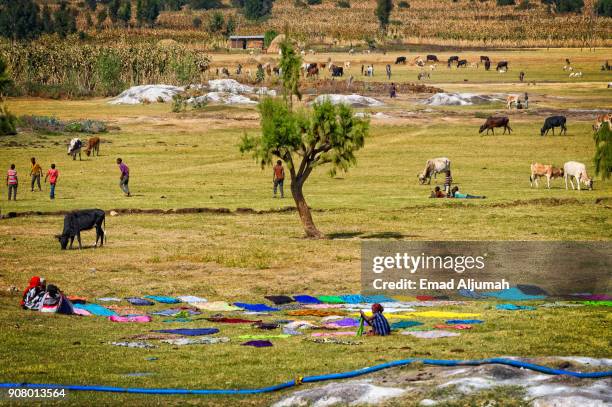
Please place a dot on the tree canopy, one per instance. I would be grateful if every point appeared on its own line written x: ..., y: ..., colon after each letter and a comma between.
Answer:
x: 383, y: 12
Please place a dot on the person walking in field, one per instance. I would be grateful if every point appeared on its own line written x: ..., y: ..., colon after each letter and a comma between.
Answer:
x: 278, y: 178
x: 388, y: 68
x: 52, y: 176
x: 12, y: 182
x: 393, y: 91
x: 35, y: 173
x: 124, y: 179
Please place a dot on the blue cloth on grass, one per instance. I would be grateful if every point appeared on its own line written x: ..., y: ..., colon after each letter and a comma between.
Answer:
x: 464, y: 321
x: 512, y: 307
x: 470, y: 294
x: 513, y: 294
x: 371, y: 299
x: 255, y: 307
x: 189, y: 332
x: 306, y: 299
x: 139, y: 301
x: 163, y: 299
x: 405, y: 324
x: 96, y: 309
x: 170, y: 312
x: 352, y: 299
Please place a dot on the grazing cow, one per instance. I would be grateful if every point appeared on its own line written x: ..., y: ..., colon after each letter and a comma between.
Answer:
x: 496, y: 121
x: 337, y: 71
x: 400, y: 60
x: 420, y: 62
x: 74, y: 148
x: 347, y: 65
x: 576, y: 75
x: 312, y: 71
x: 576, y: 170
x: 510, y: 99
x: 462, y: 63
x: 601, y: 119
x: 552, y: 122
x: 93, y: 145
x: 542, y: 170
x: 502, y: 65
x: 487, y: 65
x: 484, y: 58
x: 423, y: 75
x: 452, y: 59
x: 432, y: 58
x: 86, y: 219
x: 433, y: 167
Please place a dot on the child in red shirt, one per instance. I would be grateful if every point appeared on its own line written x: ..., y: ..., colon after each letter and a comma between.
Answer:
x: 52, y: 175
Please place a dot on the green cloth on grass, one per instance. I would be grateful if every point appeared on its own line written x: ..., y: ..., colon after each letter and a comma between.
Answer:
x: 331, y: 299
x: 598, y: 303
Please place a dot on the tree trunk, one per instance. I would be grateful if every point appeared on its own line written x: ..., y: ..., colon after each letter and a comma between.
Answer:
x: 309, y: 227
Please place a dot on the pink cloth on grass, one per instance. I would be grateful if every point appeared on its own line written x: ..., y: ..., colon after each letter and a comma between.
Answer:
x: 134, y: 318
x: 82, y: 312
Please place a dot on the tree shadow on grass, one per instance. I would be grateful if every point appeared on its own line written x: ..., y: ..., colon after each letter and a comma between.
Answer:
x: 374, y: 235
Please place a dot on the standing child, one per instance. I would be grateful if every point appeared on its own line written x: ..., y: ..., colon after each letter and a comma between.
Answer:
x: 124, y: 179
x: 36, y: 173
x: 12, y: 182
x: 52, y: 175
x: 378, y: 322
x: 278, y: 178
x: 448, y: 181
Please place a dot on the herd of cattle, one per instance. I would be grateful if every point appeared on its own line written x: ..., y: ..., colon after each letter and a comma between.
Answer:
x: 75, y: 146
x: 571, y: 171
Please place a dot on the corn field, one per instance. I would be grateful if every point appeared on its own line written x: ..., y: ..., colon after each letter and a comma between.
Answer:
x: 440, y: 22
x: 88, y: 69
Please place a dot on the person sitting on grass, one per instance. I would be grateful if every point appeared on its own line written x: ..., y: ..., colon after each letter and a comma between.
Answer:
x: 33, y: 294
x: 456, y: 194
x: 378, y: 322
x: 56, y: 302
x: 436, y: 193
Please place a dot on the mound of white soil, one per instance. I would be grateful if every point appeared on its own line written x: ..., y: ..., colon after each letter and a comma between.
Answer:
x: 223, y: 97
x: 146, y: 93
x: 351, y: 100
x: 459, y: 99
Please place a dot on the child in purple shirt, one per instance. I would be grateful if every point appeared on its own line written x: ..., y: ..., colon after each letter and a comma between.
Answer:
x: 124, y: 179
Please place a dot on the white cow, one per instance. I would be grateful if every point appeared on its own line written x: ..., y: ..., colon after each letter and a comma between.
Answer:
x: 433, y: 167
x: 578, y: 171
x: 74, y: 148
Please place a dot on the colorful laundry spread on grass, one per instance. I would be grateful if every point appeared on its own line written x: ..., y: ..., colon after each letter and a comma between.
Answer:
x: 598, y: 303
x: 279, y: 299
x: 189, y: 331
x: 278, y: 336
x: 216, y: 306
x: 131, y: 318
x: 513, y: 294
x: 208, y: 340
x: 455, y: 326
x: 139, y: 301
x: 96, y: 309
x: 306, y: 299
x: 331, y: 299
x: 430, y: 334
x: 404, y: 324
x: 258, y: 344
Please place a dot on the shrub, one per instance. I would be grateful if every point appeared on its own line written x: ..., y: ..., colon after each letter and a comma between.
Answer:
x: 7, y: 122
x: 565, y: 6
x: 314, y: 2
x: 196, y: 22
x: 205, y: 4
x: 524, y: 5
x: 505, y: 2
x: 216, y: 22
x: 179, y: 103
x: 269, y: 37
x: 257, y: 9
x: 604, y: 8
x: 343, y: 4
x: 403, y: 4
x: 109, y: 68
x: 603, y: 151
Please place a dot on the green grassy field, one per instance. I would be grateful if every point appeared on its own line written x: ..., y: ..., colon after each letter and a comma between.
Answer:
x: 192, y: 160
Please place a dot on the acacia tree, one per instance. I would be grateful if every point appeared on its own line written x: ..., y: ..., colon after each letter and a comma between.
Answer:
x: 304, y: 139
x: 603, y: 151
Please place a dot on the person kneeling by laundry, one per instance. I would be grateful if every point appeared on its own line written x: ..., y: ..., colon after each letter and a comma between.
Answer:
x: 456, y: 194
x: 378, y: 322
x: 55, y: 301
x: 33, y: 294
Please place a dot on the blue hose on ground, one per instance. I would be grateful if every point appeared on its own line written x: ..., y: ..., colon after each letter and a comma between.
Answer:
x: 320, y: 378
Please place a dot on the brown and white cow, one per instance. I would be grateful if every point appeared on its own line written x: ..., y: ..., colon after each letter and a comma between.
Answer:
x: 433, y: 167
x: 601, y: 119
x: 512, y: 99
x: 544, y: 170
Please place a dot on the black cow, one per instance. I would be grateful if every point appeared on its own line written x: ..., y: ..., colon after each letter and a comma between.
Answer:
x: 552, y: 122
x: 431, y: 58
x: 487, y: 65
x: 502, y: 65
x: 462, y: 63
x: 484, y: 58
x: 85, y: 219
x: 400, y: 60
x: 452, y: 59
x: 337, y: 71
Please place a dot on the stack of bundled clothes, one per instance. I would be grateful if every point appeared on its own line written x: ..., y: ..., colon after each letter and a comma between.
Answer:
x: 39, y: 296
